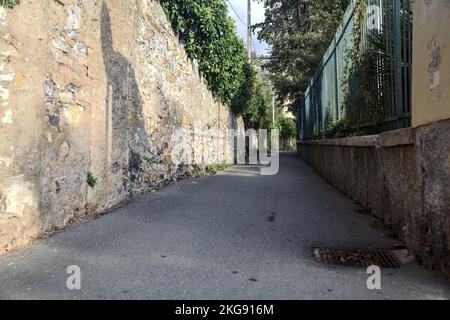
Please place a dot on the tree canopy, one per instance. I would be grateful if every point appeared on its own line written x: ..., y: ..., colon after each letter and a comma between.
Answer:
x: 299, y: 33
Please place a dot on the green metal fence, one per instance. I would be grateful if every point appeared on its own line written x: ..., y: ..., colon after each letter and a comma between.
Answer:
x: 374, y: 95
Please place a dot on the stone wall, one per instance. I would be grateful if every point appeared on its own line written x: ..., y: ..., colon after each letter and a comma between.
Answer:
x: 99, y: 87
x: 402, y: 177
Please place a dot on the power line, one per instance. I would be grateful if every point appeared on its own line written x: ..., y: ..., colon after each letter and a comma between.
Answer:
x: 249, y: 29
x: 245, y: 24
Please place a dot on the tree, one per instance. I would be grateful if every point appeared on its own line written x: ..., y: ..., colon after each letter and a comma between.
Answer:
x: 258, y: 114
x: 288, y: 132
x: 299, y: 33
x: 9, y: 3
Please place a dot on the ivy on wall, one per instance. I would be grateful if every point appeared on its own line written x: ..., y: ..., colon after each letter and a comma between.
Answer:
x: 9, y: 3
x: 209, y: 36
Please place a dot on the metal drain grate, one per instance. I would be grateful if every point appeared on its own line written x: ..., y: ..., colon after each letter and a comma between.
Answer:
x: 360, y: 257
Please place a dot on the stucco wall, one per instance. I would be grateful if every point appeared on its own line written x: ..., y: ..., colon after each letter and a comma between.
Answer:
x: 100, y: 87
x: 431, y: 62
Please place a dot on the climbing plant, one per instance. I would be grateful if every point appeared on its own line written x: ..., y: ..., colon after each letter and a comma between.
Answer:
x: 209, y: 37
x: 367, y: 71
x: 258, y: 112
x: 9, y: 3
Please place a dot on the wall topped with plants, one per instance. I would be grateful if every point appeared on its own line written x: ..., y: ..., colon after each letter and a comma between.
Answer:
x: 209, y: 36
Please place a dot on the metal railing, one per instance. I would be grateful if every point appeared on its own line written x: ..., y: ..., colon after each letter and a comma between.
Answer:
x: 373, y: 94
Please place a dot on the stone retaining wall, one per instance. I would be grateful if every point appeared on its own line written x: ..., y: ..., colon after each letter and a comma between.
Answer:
x: 99, y: 87
x: 402, y: 177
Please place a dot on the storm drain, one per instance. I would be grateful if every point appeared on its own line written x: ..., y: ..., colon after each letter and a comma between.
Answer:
x: 362, y: 257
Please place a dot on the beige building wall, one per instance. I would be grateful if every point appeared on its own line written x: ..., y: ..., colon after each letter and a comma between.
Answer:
x: 431, y: 62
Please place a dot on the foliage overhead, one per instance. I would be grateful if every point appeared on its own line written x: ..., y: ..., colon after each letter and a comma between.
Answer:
x: 299, y: 33
x: 209, y: 36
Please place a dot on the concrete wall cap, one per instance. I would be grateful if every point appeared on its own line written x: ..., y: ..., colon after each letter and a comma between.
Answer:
x: 395, y: 138
x: 362, y: 141
x: 385, y: 140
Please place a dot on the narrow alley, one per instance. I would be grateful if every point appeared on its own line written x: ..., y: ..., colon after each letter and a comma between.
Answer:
x: 237, y: 235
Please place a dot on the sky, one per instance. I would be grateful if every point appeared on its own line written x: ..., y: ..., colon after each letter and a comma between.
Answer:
x: 257, y: 16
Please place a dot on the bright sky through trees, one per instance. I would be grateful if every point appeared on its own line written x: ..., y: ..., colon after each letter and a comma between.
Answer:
x: 257, y: 16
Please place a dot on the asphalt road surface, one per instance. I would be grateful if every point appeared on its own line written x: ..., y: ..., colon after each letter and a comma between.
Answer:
x: 237, y: 235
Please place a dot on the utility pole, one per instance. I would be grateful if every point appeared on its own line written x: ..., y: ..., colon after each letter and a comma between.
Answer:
x: 249, y: 30
x: 273, y: 107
